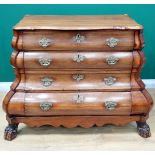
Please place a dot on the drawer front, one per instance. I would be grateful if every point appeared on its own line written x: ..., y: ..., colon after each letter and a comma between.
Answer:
x: 75, y: 81
x: 79, y: 103
x: 75, y: 60
x: 79, y: 40
x: 96, y: 103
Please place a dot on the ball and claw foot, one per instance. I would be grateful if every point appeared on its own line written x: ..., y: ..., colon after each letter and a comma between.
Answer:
x: 10, y: 132
x: 143, y: 129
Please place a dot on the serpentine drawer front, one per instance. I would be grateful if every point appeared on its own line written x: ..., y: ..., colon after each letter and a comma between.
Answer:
x: 75, y: 81
x: 78, y: 103
x: 77, y: 71
x: 77, y: 40
x: 77, y: 60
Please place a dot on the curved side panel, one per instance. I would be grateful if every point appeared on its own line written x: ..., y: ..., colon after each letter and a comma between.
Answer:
x: 139, y: 41
x: 19, y: 59
x: 141, y: 102
x: 136, y: 81
x: 13, y: 60
x: 16, y: 71
x: 135, y: 86
x: 136, y: 59
x: 7, y: 100
x: 16, y: 104
x: 17, y: 80
x: 148, y: 98
x: 142, y: 39
x: 17, y: 40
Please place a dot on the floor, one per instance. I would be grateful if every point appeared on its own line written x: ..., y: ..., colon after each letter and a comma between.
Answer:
x: 103, y: 138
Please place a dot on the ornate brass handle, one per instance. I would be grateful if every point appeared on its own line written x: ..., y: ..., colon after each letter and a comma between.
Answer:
x: 44, y: 42
x: 78, y: 77
x: 78, y: 38
x: 112, y: 60
x: 78, y: 58
x: 109, y: 80
x: 78, y: 98
x: 47, y: 81
x: 110, y: 105
x: 45, y: 106
x: 112, y: 42
x: 45, y: 62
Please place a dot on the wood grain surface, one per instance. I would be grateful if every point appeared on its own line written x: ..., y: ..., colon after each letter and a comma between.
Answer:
x: 64, y: 40
x: 77, y: 22
x: 65, y: 59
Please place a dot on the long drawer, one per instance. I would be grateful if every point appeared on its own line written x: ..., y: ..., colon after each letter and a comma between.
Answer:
x: 74, y: 81
x: 77, y: 60
x: 97, y: 103
x: 76, y: 40
x: 78, y: 103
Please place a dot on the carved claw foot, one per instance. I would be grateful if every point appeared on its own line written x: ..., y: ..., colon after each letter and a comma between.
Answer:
x: 10, y: 132
x: 143, y: 129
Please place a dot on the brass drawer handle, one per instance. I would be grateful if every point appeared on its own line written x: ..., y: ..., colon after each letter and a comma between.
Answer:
x: 78, y: 38
x: 45, y: 106
x: 112, y: 42
x: 44, y: 42
x: 110, y: 105
x: 78, y: 98
x: 78, y: 77
x: 47, y: 81
x: 45, y: 62
x: 109, y: 80
x: 78, y: 58
x: 112, y: 60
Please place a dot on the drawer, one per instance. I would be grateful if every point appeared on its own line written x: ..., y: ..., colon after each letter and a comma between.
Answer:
x: 79, y: 103
x: 77, y: 40
x: 74, y: 103
x: 74, y: 60
x: 74, y: 81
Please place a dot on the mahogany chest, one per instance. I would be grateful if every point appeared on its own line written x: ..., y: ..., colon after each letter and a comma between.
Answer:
x: 77, y: 71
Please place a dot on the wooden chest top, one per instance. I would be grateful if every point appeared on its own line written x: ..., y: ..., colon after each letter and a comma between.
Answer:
x: 119, y: 22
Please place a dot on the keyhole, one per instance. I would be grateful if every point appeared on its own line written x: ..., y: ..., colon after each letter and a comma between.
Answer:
x: 78, y: 36
x: 78, y: 96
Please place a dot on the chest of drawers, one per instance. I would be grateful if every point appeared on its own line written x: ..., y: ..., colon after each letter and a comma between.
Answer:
x: 77, y: 71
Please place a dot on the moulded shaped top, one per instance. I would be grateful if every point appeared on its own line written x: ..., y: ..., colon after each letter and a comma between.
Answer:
x: 48, y: 22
